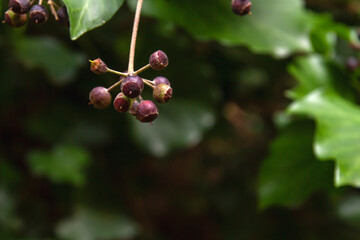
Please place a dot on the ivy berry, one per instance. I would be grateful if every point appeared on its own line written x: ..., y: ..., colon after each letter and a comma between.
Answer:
x: 241, y: 7
x: 100, y: 97
x: 19, y: 6
x: 38, y: 14
x: 158, y: 60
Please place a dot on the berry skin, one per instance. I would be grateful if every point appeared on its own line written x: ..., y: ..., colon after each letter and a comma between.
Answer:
x: 100, y: 97
x: 241, y: 7
x: 98, y: 66
x: 162, y: 93
x: 122, y: 103
x: 19, y: 6
x: 352, y: 64
x: 63, y: 16
x: 14, y: 19
x: 158, y: 60
x: 161, y: 80
x: 146, y: 111
x: 134, y: 107
x: 38, y: 14
x: 132, y: 86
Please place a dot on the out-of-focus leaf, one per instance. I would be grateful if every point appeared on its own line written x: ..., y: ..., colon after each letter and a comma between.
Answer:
x: 291, y: 172
x: 62, y: 164
x: 180, y: 124
x: 87, y: 224
x: 338, y: 132
x: 349, y: 210
x: 283, y: 25
x: 59, y: 62
x: 8, y: 219
x: 86, y: 15
x: 312, y: 72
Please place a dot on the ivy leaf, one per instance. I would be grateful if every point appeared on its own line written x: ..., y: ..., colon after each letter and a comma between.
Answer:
x: 291, y: 172
x: 180, y: 124
x: 312, y: 72
x: 62, y: 164
x: 87, y: 224
x: 338, y: 132
x: 59, y: 62
x: 283, y: 25
x: 86, y: 15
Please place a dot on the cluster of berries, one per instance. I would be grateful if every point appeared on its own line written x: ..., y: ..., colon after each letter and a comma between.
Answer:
x: 21, y: 10
x: 241, y: 7
x: 131, y: 85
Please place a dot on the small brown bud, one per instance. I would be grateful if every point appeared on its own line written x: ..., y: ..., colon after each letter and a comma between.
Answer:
x: 98, y: 66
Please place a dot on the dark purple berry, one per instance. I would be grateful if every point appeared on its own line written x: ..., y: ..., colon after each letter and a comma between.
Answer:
x: 63, y: 16
x: 121, y: 103
x: 158, y: 60
x: 352, y: 64
x: 14, y: 19
x: 146, y: 111
x: 19, y: 6
x: 134, y: 107
x: 162, y: 93
x: 132, y: 86
x: 100, y: 97
x: 241, y: 7
x: 161, y: 80
x: 98, y: 66
x: 38, y: 14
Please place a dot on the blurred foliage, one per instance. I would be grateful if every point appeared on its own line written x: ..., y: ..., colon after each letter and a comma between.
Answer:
x: 224, y: 160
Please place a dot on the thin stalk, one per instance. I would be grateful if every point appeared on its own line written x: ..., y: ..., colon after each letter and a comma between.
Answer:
x: 141, y: 69
x: 53, y: 11
x: 115, y: 85
x: 117, y: 72
x: 40, y: 2
x: 149, y: 83
x: 134, y: 35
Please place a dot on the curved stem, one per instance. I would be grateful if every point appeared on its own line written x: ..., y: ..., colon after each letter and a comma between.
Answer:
x: 52, y: 8
x: 134, y: 35
x: 141, y: 69
x: 148, y: 82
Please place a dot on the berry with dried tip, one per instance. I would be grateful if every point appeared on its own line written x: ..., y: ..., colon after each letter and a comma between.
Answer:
x: 98, y: 66
x: 146, y: 111
x: 38, y: 14
x: 158, y: 60
x: 352, y: 64
x: 161, y: 80
x: 241, y: 7
x: 19, y: 6
x: 134, y: 107
x: 63, y: 16
x: 132, y: 86
x: 100, y: 98
x: 14, y: 19
x: 122, y: 103
x: 162, y: 93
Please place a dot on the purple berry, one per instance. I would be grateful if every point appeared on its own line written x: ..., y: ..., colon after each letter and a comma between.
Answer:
x: 161, y: 80
x: 14, y: 19
x: 98, y: 66
x: 121, y: 103
x: 162, y: 93
x: 146, y: 111
x: 158, y: 60
x: 100, y: 98
x: 134, y: 107
x: 132, y: 86
x: 63, y: 16
x: 241, y: 7
x: 38, y: 14
x: 19, y: 6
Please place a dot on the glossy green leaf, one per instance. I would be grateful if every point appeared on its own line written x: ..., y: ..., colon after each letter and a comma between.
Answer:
x: 87, y: 224
x: 180, y: 124
x: 86, y: 15
x: 314, y: 71
x: 64, y: 164
x: 278, y: 27
x: 59, y: 62
x: 291, y: 172
x: 338, y: 132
